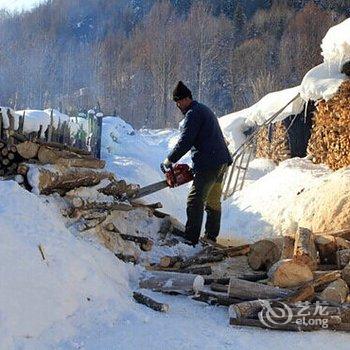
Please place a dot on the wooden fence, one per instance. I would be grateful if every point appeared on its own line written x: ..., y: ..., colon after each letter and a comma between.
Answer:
x: 88, y: 139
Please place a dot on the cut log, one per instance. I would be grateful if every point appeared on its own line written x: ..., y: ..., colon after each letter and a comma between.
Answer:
x: 145, y: 243
x: 198, y: 270
x: 237, y: 251
x: 172, y: 282
x: 48, y: 182
x: 22, y: 169
x: 127, y: 258
x: 28, y: 149
x: 345, y: 274
x: 169, y: 261
x: 120, y: 189
x: 246, y: 290
x: 154, y: 305
x: 343, y: 258
x: 214, y: 298
x: 327, y: 247
x: 263, y: 254
x: 246, y: 309
x: 91, y: 163
x: 218, y: 287
x: 304, y: 248
x: 201, y: 260
x: 82, y: 204
x: 336, y: 292
x: 288, y: 273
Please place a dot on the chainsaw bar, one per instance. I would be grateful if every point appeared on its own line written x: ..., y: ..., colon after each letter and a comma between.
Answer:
x: 145, y: 191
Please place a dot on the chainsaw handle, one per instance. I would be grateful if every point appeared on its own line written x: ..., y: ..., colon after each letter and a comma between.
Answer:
x: 164, y: 169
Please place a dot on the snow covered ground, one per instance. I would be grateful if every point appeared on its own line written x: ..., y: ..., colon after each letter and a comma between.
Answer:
x: 79, y: 297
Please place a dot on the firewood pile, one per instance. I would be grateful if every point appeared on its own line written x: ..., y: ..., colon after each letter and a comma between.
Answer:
x: 330, y: 141
x: 272, y: 143
x: 294, y: 283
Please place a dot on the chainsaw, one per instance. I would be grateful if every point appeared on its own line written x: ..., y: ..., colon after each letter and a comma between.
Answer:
x: 175, y: 176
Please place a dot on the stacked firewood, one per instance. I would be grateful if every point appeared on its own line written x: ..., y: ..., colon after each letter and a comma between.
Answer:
x: 272, y: 143
x: 290, y: 280
x: 330, y: 141
x: 9, y: 159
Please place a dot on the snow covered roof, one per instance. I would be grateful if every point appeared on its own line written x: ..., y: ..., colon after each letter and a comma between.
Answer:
x: 235, y: 123
x: 323, y: 81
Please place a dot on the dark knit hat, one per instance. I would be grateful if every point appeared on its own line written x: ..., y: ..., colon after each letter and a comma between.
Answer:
x: 181, y: 91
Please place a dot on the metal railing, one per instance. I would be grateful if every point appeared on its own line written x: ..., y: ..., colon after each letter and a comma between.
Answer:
x: 236, y: 174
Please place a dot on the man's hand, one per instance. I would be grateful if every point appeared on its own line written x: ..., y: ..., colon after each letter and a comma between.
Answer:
x: 165, y: 165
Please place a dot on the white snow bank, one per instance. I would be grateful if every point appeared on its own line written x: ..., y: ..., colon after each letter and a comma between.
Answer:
x: 323, y: 81
x: 264, y: 207
x: 77, y: 286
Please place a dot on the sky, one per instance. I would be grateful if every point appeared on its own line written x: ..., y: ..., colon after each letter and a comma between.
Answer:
x: 13, y: 5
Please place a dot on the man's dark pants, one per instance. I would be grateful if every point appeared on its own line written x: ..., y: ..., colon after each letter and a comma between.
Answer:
x: 205, y: 194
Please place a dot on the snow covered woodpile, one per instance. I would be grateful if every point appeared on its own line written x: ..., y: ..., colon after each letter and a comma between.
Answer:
x: 330, y: 139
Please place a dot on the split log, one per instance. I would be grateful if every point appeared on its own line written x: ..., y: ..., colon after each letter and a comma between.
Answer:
x: 214, y: 298
x: 246, y: 290
x: 154, y: 305
x: 288, y: 273
x: 91, y: 163
x: 304, y: 248
x: 327, y: 247
x: 172, y: 282
x: 48, y: 182
x: 343, y: 257
x: 336, y: 292
x: 28, y: 149
x: 322, y: 279
x: 263, y: 254
x: 304, y: 293
x: 345, y: 274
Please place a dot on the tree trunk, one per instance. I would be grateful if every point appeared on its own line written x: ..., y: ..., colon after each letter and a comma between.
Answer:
x: 48, y: 182
x: 91, y: 163
x: 304, y: 248
x: 288, y: 273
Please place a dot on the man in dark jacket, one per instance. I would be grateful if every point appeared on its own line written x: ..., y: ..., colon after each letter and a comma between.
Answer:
x: 202, y: 135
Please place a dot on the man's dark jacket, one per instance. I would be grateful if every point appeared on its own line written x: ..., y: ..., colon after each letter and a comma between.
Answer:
x: 203, y: 136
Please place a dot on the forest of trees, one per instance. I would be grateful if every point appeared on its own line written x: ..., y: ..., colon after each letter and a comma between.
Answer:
x: 129, y: 54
